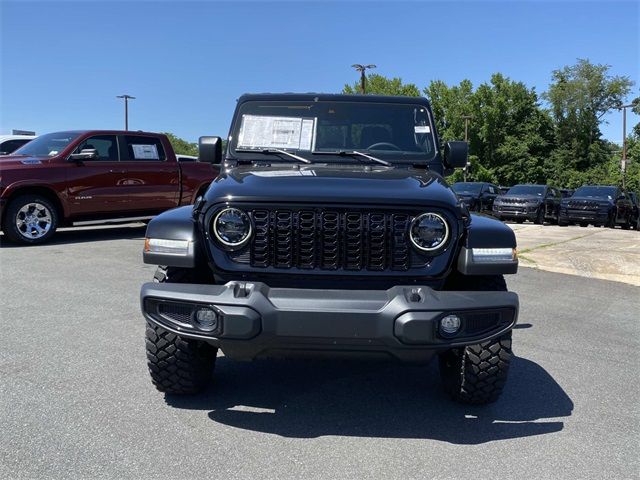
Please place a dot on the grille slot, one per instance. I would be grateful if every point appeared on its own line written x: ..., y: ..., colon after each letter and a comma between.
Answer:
x: 329, y: 239
x: 176, y: 312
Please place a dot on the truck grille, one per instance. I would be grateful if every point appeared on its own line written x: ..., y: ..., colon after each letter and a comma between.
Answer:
x: 330, y: 240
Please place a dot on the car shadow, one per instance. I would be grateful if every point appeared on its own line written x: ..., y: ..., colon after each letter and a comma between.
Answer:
x: 87, y: 234
x: 312, y: 398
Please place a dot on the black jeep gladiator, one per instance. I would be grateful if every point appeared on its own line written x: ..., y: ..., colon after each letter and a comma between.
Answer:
x: 536, y: 203
x: 331, y: 230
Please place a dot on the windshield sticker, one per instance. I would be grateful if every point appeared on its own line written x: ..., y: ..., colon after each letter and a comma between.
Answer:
x: 422, y: 129
x: 259, y: 131
x: 145, y: 152
x: 32, y: 161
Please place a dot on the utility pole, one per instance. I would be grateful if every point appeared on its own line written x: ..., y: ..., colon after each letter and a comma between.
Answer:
x: 623, y: 162
x: 126, y: 109
x: 363, y: 79
x: 466, y: 119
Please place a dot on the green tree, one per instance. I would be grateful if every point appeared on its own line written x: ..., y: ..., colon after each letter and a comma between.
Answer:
x: 381, y: 85
x: 181, y: 146
x: 579, y: 96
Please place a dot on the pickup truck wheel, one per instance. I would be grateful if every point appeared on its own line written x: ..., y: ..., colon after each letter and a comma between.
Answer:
x: 539, y: 217
x: 476, y: 374
x: 30, y: 219
x: 177, y: 365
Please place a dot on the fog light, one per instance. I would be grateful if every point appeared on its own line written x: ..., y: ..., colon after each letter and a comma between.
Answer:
x: 206, y: 319
x: 449, y: 325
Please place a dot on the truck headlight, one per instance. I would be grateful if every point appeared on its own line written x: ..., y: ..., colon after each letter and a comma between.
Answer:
x: 232, y: 227
x: 429, y: 232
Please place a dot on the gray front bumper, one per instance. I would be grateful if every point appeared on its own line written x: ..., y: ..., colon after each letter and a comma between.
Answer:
x: 256, y: 319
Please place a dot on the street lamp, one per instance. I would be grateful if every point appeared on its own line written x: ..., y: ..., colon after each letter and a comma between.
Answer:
x: 363, y: 79
x: 126, y: 109
x: 466, y: 119
x: 623, y: 163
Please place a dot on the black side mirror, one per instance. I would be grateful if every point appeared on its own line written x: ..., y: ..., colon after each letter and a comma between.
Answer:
x: 85, y: 154
x: 210, y: 150
x: 456, y: 154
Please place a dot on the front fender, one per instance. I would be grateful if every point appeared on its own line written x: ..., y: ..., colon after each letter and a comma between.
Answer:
x: 176, y: 224
x: 487, y: 233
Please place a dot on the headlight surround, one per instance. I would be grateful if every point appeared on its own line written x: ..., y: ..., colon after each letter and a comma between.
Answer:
x: 232, y: 228
x: 429, y: 232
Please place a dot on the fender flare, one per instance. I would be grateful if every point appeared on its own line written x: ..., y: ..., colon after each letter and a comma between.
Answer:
x: 175, y: 224
x: 486, y: 232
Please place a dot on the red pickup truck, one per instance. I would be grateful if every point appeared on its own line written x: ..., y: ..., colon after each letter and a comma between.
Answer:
x: 91, y: 177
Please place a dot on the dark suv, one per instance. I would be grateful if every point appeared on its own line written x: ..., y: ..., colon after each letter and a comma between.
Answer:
x: 635, y: 211
x: 597, y: 205
x: 536, y: 203
x: 331, y: 230
x: 477, y: 196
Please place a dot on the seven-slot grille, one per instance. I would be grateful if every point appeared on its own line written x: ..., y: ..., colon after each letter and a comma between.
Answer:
x: 330, y: 240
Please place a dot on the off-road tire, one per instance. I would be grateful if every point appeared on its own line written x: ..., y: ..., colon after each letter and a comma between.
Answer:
x: 476, y: 374
x: 9, y: 219
x: 177, y: 365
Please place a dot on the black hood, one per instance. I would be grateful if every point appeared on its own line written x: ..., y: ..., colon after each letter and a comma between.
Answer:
x: 326, y: 183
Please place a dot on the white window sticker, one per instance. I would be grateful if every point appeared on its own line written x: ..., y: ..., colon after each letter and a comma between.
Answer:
x: 145, y: 152
x: 422, y: 129
x: 259, y: 131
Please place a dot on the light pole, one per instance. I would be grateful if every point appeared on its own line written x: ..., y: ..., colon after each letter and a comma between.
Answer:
x: 623, y: 162
x: 126, y: 109
x: 363, y: 78
x: 466, y: 119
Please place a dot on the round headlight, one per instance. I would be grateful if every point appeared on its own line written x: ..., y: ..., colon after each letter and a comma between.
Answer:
x: 232, y: 227
x: 429, y: 232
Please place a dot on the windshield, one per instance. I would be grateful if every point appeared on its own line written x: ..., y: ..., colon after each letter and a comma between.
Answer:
x: 527, y: 190
x: 601, y: 192
x: 462, y: 187
x: 390, y: 131
x: 47, y: 145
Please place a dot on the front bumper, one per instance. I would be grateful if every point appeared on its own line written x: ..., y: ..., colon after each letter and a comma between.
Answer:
x: 577, y: 216
x: 254, y: 319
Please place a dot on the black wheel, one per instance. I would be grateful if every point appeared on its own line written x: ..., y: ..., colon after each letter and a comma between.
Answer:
x: 582, y: 224
x: 627, y: 224
x: 539, y: 217
x: 176, y: 364
x: 520, y: 220
x: 30, y: 219
x: 611, y: 221
x: 562, y: 224
x: 476, y: 374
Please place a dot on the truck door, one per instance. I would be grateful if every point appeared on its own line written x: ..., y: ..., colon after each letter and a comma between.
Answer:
x: 153, y: 179
x: 93, y: 186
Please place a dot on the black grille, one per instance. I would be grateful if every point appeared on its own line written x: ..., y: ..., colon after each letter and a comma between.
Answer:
x: 583, y: 205
x: 177, y: 312
x: 480, y: 322
x: 513, y: 200
x: 329, y: 240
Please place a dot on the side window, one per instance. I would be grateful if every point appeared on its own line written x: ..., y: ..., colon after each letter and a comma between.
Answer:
x: 145, y: 149
x: 11, y: 146
x: 105, y: 145
x: 492, y: 189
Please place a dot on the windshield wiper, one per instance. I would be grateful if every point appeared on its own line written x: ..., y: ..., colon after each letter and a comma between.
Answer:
x: 275, y: 150
x: 356, y: 153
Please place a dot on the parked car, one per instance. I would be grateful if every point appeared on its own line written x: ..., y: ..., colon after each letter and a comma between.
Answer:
x: 635, y: 210
x: 536, y: 203
x: 566, y: 192
x: 10, y: 143
x: 89, y: 177
x: 476, y: 196
x: 331, y: 231
x: 599, y: 205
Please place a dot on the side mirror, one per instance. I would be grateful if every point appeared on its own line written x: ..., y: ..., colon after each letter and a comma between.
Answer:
x: 85, y: 154
x: 210, y: 150
x: 456, y: 154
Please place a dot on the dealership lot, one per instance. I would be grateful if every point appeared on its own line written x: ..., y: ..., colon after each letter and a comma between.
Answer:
x: 76, y: 400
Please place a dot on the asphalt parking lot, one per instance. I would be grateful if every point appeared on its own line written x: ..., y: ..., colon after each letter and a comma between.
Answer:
x: 76, y: 400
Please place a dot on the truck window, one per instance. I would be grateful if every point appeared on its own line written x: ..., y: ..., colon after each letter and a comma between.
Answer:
x: 11, y: 146
x: 145, y: 149
x: 106, y: 146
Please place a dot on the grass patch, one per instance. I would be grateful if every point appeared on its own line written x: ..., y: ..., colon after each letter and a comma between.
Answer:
x: 553, y: 244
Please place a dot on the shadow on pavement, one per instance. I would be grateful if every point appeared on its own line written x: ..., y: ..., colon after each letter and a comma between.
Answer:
x: 309, y: 398
x: 87, y: 234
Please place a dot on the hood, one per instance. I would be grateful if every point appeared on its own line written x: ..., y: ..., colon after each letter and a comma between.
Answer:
x: 523, y: 197
x: 587, y: 200
x: 13, y: 162
x: 322, y: 183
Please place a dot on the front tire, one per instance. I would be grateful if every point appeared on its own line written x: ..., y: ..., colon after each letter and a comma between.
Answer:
x: 539, y: 217
x: 177, y: 365
x: 476, y: 374
x: 30, y: 220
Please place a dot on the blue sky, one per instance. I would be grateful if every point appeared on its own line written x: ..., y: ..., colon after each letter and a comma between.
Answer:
x: 63, y: 63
